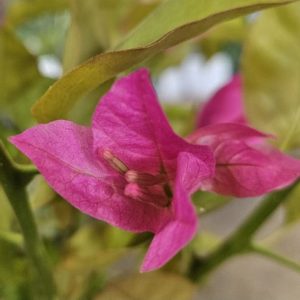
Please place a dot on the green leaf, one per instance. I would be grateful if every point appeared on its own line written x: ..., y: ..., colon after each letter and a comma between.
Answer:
x: 171, y: 23
x: 21, y: 11
x: 20, y: 82
x: 13, y: 266
x: 92, y: 27
x: 271, y: 65
x: 10, y: 170
x: 14, y: 61
x: 171, y: 58
x: 6, y: 212
x: 97, y: 24
x: 206, y: 202
x: 205, y: 243
x: 85, y: 254
x: 292, y: 206
x: 182, y: 117
x: 39, y: 192
x: 151, y: 286
x: 218, y: 38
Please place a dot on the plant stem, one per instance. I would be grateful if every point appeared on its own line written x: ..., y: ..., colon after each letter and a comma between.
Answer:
x: 291, y: 264
x: 239, y: 242
x: 14, y: 187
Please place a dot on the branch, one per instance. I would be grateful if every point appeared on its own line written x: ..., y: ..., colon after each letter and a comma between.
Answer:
x: 13, y: 182
x: 240, y: 241
x: 291, y: 264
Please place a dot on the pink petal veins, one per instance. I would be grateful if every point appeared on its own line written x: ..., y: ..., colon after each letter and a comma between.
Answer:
x: 244, y: 171
x: 245, y: 165
x: 63, y: 153
x: 215, y: 134
x: 131, y: 124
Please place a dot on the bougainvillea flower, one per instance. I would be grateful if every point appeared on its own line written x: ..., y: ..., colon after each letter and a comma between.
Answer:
x: 245, y: 164
x: 128, y: 169
x: 226, y: 106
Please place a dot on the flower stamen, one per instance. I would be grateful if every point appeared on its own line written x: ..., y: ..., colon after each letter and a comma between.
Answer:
x: 152, y: 195
x: 144, y: 179
x: 144, y: 187
x: 114, y: 162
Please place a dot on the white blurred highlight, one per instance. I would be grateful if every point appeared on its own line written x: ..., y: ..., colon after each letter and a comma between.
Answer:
x: 49, y: 66
x: 195, y: 80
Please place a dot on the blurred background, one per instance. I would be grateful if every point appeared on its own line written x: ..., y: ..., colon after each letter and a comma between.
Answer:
x: 41, y: 40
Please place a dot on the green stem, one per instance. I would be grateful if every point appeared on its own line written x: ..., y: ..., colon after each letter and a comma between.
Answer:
x: 291, y: 264
x: 12, y: 238
x: 239, y: 242
x: 14, y: 186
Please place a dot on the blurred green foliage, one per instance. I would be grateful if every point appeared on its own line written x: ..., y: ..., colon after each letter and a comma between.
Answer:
x: 292, y: 207
x: 271, y: 65
x: 136, y: 287
x: 90, y: 259
x: 156, y: 33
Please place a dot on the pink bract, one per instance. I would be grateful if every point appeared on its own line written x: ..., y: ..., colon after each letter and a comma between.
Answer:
x: 246, y: 166
x: 226, y: 105
x: 128, y: 169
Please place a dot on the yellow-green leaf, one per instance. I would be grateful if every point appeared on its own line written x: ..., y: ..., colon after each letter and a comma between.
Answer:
x: 292, y: 206
x: 96, y: 25
x: 204, y: 243
x: 182, y: 117
x: 206, y: 202
x: 271, y: 66
x: 18, y: 67
x: 6, y: 211
x: 230, y: 32
x: 85, y: 254
x: 20, y: 80
x: 93, y: 25
x: 20, y: 11
x: 171, y: 23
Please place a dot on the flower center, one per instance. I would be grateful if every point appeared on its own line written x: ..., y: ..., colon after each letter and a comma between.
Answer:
x: 144, y: 187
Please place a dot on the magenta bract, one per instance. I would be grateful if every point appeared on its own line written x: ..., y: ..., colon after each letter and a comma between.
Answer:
x: 226, y: 105
x: 245, y: 164
x: 131, y: 170
x: 128, y: 169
